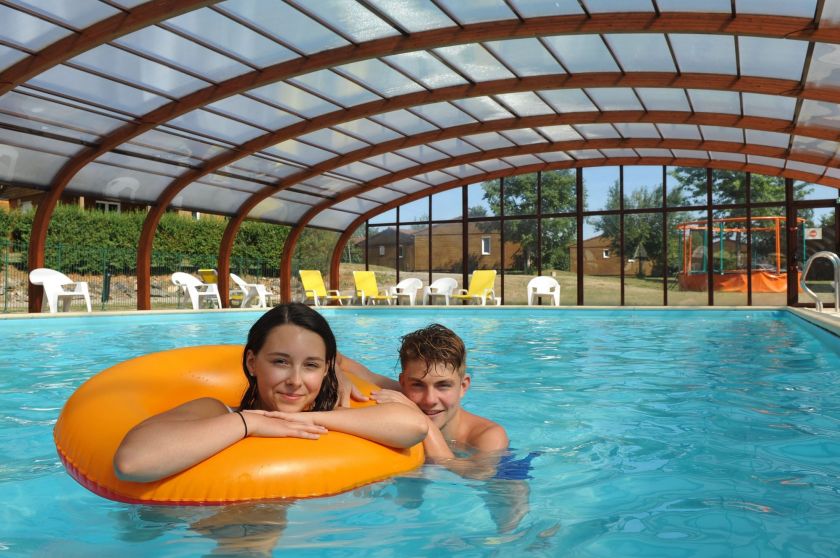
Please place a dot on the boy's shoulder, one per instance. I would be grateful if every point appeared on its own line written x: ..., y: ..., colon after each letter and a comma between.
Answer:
x: 482, y: 433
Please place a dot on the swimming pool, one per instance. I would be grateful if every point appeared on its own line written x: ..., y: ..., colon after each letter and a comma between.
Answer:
x: 659, y: 432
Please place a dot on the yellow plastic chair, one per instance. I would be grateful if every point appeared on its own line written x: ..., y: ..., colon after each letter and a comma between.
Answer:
x: 481, y: 288
x: 367, y: 292
x: 211, y: 277
x: 314, y: 288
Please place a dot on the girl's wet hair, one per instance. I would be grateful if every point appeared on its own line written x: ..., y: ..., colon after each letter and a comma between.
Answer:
x: 303, y: 316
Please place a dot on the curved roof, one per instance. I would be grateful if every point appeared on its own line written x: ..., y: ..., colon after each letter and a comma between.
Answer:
x: 323, y: 112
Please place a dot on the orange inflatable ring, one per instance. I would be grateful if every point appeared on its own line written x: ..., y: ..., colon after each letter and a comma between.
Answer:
x: 98, y: 415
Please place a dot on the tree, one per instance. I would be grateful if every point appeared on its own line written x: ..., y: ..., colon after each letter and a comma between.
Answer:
x: 558, y: 196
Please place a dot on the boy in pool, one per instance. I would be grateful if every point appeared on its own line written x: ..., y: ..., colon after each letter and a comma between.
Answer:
x: 434, y: 380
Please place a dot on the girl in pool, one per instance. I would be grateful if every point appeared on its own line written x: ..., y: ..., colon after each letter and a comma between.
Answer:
x: 289, y: 361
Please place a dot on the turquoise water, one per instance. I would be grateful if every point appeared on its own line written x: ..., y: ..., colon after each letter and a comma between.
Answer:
x: 661, y: 433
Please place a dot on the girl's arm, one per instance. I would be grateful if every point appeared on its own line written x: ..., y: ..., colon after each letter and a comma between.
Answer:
x: 391, y: 424
x: 359, y: 370
x: 177, y: 439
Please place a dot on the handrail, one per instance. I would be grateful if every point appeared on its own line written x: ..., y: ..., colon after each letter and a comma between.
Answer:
x: 835, y: 260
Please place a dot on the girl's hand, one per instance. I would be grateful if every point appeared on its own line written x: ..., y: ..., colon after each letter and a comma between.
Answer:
x: 347, y: 390
x: 391, y: 396
x: 277, y: 424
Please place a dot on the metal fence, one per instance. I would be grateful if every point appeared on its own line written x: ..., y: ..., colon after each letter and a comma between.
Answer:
x: 111, y: 274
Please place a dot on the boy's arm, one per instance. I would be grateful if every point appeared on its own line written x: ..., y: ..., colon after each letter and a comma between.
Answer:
x: 359, y: 370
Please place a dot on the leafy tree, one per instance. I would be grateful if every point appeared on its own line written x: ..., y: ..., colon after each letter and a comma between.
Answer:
x: 558, y: 195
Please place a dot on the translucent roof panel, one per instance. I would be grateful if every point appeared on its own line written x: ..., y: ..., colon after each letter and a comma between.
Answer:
x: 340, y: 90
x: 805, y: 167
x: 474, y: 61
x: 525, y: 104
x: 765, y: 161
x: 368, y: 130
x: 724, y: 156
x: 492, y: 165
x: 254, y: 112
x: 356, y: 205
x: 294, y: 99
x: 29, y: 167
x: 770, y: 106
x: 28, y: 31
x: 583, y: 154
x: 88, y: 87
x: 112, y: 182
x: 390, y: 161
x: 422, y: 154
x: 582, y: 53
x: 490, y: 140
x: 404, y: 122
x: 434, y: 177
x: 709, y: 54
x: 475, y: 12
x: 638, y: 52
x: 560, y: 133
x: 299, y: 31
x: 721, y: 133
x: 640, y: 130
x: 679, y: 131
x: 706, y: 100
x: 408, y: 185
x: 482, y: 108
x: 619, y: 153
x: 724, y: 6
x: 414, y: 15
x: 454, y: 147
x: 170, y: 47
x: 215, y: 126
x: 213, y: 28
x: 801, y: 8
x: 443, y: 115
x: 527, y: 57
x: 261, y: 167
x: 380, y: 77
x: 43, y: 110
x: 523, y: 160
x: 426, y: 68
x: 655, y: 98
x: 537, y: 8
x: 760, y: 137
x: 329, y: 184
x: 300, y: 152
x: 773, y: 58
x: 333, y: 141
x: 653, y: 152
x: 350, y: 19
x: 568, y: 100
x: 331, y: 219
x: 463, y: 171
x: 690, y: 154
x: 815, y: 147
x: 597, y: 131
x: 167, y: 139
x: 555, y: 156
x: 614, y: 98
x: 278, y: 211
x: 524, y: 136
x: 824, y: 63
x: 13, y: 139
x: 223, y: 181
x: 78, y: 14
x: 820, y: 114
x: 129, y: 67
x: 9, y: 56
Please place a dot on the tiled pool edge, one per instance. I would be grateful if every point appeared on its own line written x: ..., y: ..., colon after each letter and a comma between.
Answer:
x: 830, y: 321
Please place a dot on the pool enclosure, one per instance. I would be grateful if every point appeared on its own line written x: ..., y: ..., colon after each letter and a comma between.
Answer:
x: 573, y: 138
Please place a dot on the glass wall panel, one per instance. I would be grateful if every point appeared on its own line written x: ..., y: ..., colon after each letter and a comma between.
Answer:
x: 447, y: 205
x: 484, y: 249
x: 686, y: 186
x: 520, y: 262
x: 808, y: 191
x: 729, y: 257
x: 447, y: 250
x: 313, y: 251
x: 600, y: 188
x: 642, y: 187
x: 559, y: 249
x: 766, y: 188
x: 413, y: 256
x: 728, y: 187
x: 559, y: 191
x: 389, y: 216
x: 688, y: 254
x: 382, y: 254
x: 601, y: 261
x: 816, y: 233
x: 769, y: 256
x: 644, y: 260
x: 483, y: 199
x: 521, y: 194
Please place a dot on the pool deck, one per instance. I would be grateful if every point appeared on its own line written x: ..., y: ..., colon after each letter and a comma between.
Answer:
x: 827, y: 319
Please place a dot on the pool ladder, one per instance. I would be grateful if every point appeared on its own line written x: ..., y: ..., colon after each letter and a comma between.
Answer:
x: 835, y: 261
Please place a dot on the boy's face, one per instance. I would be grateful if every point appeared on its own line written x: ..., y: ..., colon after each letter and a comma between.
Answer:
x: 437, y: 392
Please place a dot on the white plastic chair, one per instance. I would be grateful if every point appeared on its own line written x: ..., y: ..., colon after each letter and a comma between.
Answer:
x: 543, y: 286
x: 407, y: 288
x: 196, y: 290
x: 58, y: 286
x: 443, y: 287
x: 253, y: 294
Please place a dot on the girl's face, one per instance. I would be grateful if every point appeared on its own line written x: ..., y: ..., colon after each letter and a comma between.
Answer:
x: 289, y: 368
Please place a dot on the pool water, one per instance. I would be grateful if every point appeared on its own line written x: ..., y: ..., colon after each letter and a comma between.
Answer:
x: 658, y: 433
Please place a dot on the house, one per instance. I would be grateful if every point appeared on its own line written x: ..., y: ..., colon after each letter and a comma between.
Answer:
x: 601, y: 258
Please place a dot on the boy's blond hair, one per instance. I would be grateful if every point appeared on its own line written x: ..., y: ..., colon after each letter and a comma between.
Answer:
x: 434, y: 344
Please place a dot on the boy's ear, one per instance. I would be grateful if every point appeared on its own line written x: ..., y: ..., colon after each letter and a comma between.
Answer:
x: 465, y: 383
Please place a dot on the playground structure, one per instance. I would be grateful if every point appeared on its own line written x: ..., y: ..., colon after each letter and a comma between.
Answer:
x: 729, y: 239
